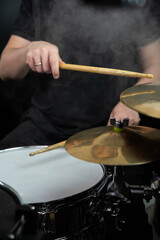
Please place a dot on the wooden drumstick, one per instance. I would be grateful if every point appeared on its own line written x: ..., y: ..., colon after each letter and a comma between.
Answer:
x: 52, y: 147
x: 100, y: 70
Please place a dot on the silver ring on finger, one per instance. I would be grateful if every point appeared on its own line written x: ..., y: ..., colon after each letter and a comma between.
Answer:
x: 38, y: 64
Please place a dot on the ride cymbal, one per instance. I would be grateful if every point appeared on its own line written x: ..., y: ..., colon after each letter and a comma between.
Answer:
x: 144, y: 98
x: 135, y: 145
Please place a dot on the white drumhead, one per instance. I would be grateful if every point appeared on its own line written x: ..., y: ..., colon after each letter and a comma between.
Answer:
x: 47, y: 176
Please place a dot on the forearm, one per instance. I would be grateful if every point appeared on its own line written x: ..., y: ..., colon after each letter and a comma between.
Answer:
x: 150, y: 58
x: 154, y: 70
x: 13, y: 63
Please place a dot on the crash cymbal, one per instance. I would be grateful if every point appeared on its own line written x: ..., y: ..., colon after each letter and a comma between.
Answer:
x: 133, y: 146
x: 144, y: 98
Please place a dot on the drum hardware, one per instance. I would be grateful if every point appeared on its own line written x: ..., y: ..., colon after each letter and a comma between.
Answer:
x: 119, y: 193
x: 143, y: 98
x: 118, y: 125
x: 30, y: 218
x: 155, y: 184
x: 16, y: 231
x: 110, y: 203
x: 117, y: 188
x: 146, y: 192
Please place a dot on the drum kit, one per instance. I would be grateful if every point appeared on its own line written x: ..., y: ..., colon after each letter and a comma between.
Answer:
x: 69, y: 193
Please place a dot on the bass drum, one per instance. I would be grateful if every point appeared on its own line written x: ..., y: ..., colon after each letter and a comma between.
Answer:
x: 64, y: 190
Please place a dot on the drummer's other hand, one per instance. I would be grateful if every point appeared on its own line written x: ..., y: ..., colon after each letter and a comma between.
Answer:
x: 120, y: 111
x: 43, y: 57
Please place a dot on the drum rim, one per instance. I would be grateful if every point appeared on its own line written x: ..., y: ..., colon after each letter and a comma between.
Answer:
x: 70, y: 201
x: 9, y: 189
x: 21, y: 147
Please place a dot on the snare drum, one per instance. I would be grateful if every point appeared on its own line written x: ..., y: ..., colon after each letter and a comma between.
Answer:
x: 62, y: 188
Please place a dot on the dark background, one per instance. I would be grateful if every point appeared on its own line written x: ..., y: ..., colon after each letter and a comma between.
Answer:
x: 10, y: 106
x: 8, y: 12
x: 15, y: 95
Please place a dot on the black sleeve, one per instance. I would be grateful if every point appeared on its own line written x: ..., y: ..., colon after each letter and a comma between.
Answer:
x: 24, y: 25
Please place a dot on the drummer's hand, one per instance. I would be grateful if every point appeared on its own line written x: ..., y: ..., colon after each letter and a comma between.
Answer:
x: 120, y: 111
x: 46, y: 55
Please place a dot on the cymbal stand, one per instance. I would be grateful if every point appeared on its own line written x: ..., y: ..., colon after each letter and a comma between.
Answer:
x: 122, y: 189
x: 119, y: 192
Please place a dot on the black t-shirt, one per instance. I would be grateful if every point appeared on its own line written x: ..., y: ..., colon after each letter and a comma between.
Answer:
x: 85, y: 34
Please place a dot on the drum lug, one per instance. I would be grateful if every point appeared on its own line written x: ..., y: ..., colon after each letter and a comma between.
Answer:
x: 95, y: 207
x: 30, y: 217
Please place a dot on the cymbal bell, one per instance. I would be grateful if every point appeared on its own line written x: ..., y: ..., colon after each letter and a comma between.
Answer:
x: 144, y: 98
x: 135, y: 145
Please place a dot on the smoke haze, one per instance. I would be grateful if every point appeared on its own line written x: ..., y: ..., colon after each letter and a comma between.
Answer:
x: 83, y: 33
x: 95, y: 35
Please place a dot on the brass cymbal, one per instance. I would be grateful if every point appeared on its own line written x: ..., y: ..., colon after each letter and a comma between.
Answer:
x: 144, y: 98
x: 135, y: 145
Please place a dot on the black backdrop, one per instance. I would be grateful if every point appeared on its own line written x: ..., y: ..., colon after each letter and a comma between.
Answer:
x: 12, y: 100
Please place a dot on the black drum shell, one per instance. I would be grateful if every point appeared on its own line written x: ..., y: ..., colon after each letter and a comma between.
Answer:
x: 74, y: 217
